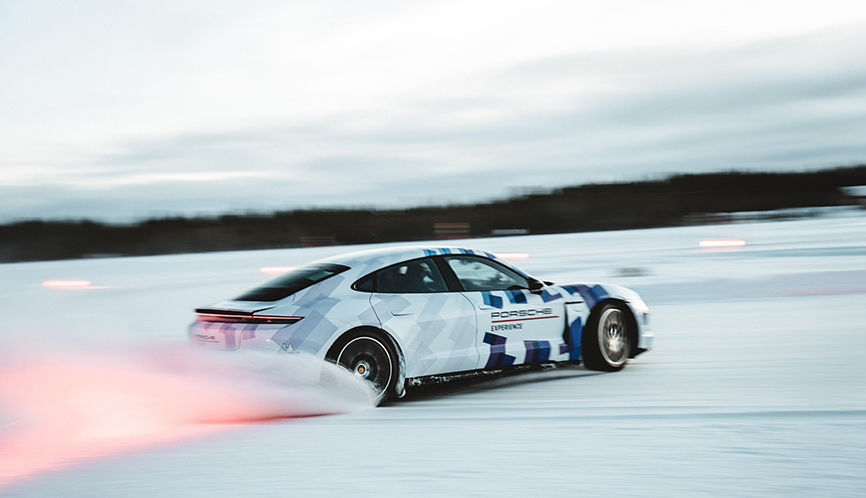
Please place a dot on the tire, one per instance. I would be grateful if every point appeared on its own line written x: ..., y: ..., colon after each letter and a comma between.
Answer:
x: 607, y: 338
x: 371, y: 358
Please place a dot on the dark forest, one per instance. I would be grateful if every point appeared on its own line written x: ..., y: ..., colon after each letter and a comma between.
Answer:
x: 671, y: 201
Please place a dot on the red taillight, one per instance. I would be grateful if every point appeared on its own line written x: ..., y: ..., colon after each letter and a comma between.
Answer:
x: 232, y: 316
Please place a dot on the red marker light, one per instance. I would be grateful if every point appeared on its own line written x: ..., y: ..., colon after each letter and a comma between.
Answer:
x: 276, y: 269
x: 722, y: 243
x: 66, y: 284
x: 512, y: 255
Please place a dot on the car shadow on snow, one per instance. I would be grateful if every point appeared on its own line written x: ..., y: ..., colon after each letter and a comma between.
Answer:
x: 454, y: 385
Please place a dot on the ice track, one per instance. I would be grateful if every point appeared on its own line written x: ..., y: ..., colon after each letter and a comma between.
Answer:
x: 755, y: 388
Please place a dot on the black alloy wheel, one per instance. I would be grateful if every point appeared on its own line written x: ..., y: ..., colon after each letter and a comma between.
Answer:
x: 606, y: 339
x: 369, y: 359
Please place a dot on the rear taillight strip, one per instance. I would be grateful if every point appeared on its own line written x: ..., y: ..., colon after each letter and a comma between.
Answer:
x: 230, y: 316
x: 276, y: 319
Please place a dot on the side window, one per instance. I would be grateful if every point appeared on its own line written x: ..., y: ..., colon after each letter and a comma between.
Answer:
x: 479, y: 274
x: 419, y: 276
x: 365, y: 284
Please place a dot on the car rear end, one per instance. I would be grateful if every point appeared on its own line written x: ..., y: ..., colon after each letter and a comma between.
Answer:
x: 228, y: 325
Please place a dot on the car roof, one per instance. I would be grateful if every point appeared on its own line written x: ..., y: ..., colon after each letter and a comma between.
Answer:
x: 374, y: 259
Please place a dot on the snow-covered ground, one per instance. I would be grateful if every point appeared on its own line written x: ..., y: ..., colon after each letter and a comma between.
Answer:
x: 755, y: 388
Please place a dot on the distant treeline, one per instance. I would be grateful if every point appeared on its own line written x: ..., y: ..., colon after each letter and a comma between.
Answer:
x: 591, y: 207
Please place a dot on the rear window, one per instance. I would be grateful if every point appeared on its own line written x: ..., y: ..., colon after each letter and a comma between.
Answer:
x: 293, y: 281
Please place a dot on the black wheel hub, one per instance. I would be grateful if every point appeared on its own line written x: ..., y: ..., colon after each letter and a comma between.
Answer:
x: 368, y: 359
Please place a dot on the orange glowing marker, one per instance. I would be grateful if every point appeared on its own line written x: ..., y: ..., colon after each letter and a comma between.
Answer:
x: 512, y: 255
x: 276, y: 269
x: 722, y: 243
x: 66, y: 284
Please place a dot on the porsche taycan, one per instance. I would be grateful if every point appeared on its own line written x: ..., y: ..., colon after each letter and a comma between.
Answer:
x: 398, y: 317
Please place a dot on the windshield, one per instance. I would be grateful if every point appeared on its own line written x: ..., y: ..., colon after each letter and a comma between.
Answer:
x: 292, y: 282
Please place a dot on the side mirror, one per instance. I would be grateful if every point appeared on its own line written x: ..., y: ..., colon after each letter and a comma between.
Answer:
x: 535, y: 286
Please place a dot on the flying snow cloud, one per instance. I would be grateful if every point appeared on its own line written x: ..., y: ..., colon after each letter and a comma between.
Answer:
x: 59, y: 409
x: 118, y: 111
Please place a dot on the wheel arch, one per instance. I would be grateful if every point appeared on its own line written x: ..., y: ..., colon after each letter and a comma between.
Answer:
x: 376, y: 332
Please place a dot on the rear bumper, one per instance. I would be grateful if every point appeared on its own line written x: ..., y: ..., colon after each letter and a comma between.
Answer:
x: 231, y: 336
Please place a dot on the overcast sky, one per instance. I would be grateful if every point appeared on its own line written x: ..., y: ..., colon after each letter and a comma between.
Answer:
x: 123, y: 110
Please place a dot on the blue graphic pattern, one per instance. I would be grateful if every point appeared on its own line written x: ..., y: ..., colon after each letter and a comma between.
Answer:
x: 548, y: 296
x: 249, y: 332
x: 575, y: 334
x: 592, y: 295
x: 572, y: 289
x: 498, y: 358
x: 516, y: 296
x: 491, y: 300
x: 537, y: 351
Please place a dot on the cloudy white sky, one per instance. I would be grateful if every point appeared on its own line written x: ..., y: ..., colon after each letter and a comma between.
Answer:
x: 120, y: 110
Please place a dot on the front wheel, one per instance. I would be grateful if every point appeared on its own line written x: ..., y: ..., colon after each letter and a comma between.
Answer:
x: 606, y: 345
x: 370, y: 359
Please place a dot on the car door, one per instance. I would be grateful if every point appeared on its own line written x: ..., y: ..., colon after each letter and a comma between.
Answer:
x: 436, y: 327
x: 515, y: 326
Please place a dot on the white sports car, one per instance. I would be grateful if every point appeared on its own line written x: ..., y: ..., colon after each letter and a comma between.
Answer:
x: 400, y: 316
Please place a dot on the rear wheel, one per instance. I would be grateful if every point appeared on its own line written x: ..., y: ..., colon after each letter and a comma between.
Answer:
x: 606, y: 340
x: 371, y: 359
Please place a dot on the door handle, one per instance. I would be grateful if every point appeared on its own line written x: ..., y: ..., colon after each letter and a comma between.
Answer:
x: 402, y: 313
x: 488, y: 308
